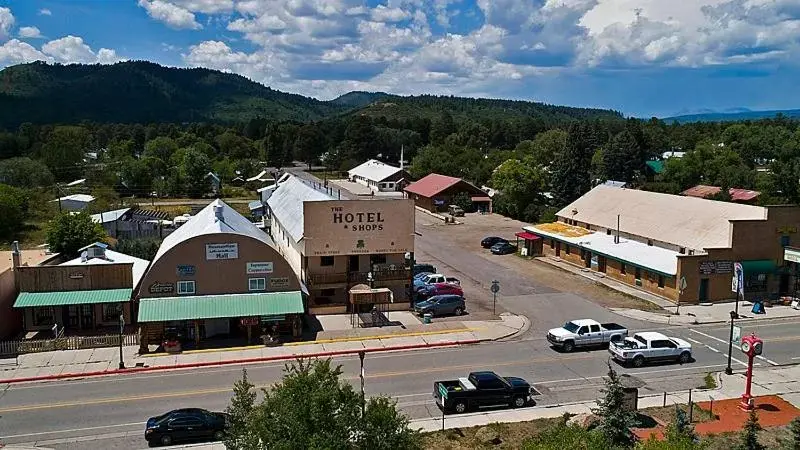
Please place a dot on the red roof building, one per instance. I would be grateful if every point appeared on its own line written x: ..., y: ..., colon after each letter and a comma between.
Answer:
x: 435, y: 193
x: 737, y: 195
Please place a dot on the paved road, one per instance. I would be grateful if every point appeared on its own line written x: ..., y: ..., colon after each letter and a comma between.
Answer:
x: 101, y: 410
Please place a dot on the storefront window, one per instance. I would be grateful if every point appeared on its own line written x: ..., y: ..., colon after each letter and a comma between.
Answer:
x: 258, y: 284
x: 43, y: 316
x: 756, y: 283
x: 325, y: 261
x: 186, y: 287
x: 111, y: 312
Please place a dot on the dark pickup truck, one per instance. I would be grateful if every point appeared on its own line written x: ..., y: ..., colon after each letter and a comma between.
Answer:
x: 481, y: 389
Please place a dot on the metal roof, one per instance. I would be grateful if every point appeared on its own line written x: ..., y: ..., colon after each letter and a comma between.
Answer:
x: 689, y: 222
x: 85, y: 198
x: 164, y: 309
x: 737, y: 194
x: 255, y: 204
x: 373, y: 170
x: 109, y: 216
x: 206, y: 222
x: 112, y: 257
x: 434, y: 183
x: 64, y: 298
x: 286, y: 204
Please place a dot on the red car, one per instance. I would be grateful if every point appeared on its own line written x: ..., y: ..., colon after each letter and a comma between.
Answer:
x: 443, y: 289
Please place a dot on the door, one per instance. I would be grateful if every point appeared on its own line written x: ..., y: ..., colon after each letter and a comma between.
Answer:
x: 87, y: 317
x: 703, y: 296
x: 588, y: 260
x: 595, y: 335
x: 583, y: 336
x: 352, y: 264
x: 783, y: 287
x: 601, y: 264
x: 558, y: 248
x: 494, y: 392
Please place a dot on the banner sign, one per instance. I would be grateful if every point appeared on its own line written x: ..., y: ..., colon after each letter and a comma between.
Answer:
x: 222, y: 251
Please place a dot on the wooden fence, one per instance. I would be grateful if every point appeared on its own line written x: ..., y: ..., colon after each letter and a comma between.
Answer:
x: 13, y: 348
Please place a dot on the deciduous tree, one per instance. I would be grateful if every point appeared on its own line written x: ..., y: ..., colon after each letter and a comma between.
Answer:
x: 14, y: 207
x: 69, y: 232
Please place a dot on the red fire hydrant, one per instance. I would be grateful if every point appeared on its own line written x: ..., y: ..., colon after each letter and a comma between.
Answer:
x: 752, y: 346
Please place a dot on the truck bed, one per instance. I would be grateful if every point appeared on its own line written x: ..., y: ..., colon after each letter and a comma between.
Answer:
x: 611, y: 326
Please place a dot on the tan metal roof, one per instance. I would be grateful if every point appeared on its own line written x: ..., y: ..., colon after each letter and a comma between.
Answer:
x: 694, y: 223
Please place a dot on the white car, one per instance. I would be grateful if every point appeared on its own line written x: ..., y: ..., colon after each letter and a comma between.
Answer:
x: 650, y: 346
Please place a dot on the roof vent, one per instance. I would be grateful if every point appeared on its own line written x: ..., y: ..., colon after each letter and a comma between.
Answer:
x: 218, y: 213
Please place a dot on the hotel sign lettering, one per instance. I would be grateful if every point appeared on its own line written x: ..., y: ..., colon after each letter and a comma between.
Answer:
x: 359, y: 221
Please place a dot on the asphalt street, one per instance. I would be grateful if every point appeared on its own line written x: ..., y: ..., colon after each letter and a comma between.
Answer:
x: 101, y: 410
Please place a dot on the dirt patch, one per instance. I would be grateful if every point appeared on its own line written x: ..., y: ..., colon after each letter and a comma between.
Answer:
x: 511, y: 435
x: 666, y: 415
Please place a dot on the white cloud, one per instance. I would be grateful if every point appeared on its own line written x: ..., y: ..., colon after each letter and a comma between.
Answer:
x: 383, y: 14
x: 6, y: 23
x: 30, y: 33
x: 172, y: 15
x: 72, y: 49
x: 205, y: 6
x: 18, y: 52
x: 45, y: 12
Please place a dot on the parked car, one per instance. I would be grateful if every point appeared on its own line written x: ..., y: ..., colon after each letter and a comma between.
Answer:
x: 488, y: 242
x: 481, y: 389
x: 585, y: 333
x: 650, y: 346
x: 188, y: 424
x: 422, y: 275
x: 441, y: 304
x: 419, y: 268
x: 441, y: 289
x: 433, y: 278
x: 455, y: 211
x: 503, y: 248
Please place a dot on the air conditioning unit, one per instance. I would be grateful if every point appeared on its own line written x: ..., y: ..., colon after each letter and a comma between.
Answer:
x: 95, y: 252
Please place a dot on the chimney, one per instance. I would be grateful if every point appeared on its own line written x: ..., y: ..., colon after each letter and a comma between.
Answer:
x: 218, y: 213
x: 16, y: 254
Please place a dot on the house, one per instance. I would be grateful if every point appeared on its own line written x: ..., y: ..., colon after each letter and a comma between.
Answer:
x: 217, y: 274
x: 737, y: 195
x: 654, y: 168
x: 10, y: 318
x: 74, y: 202
x: 435, y: 193
x: 256, y: 208
x: 336, y: 245
x: 113, y: 221
x: 99, y: 253
x: 681, y: 248
x: 378, y: 176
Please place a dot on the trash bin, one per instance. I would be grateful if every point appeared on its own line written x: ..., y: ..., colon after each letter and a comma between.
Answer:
x: 426, y: 318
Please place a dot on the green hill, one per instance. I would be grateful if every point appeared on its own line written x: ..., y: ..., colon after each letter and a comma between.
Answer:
x: 733, y: 116
x: 139, y: 91
x: 145, y: 92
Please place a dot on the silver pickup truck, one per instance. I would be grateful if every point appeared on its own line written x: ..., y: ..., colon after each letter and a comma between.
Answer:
x: 585, y: 333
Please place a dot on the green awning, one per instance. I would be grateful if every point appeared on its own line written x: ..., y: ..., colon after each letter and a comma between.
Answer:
x: 66, y: 298
x: 165, y: 309
x: 758, y: 266
x: 656, y: 166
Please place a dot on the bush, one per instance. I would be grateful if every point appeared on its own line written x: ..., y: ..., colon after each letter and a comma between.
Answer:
x: 69, y: 232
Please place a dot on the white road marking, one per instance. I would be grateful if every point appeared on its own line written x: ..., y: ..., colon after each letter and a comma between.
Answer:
x: 712, y: 349
x: 695, y: 341
x: 74, y: 430
x: 767, y: 360
x: 709, y: 336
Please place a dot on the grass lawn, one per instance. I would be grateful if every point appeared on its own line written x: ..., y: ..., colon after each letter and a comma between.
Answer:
x: 511, y: 434
x: 329, y: 174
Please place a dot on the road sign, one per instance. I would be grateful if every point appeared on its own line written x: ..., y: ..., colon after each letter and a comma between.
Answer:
x: 495, y: 287
x: 443, y: 392
x: 737, y: 334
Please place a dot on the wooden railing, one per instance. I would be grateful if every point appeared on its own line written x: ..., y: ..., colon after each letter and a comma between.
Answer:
x: 65, y: 343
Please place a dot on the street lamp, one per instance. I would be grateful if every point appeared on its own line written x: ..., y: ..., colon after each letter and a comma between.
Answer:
x: 121, y: 330
x: 361, y: 355
x: 729, y: 370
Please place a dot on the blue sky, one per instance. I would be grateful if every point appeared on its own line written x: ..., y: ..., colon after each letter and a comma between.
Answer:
x: 641, y: 57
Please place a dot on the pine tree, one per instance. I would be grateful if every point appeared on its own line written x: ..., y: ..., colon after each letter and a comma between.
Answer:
x: 570, y: 170
x: 750, y: 433
x: 680, y: 430
x: 240, y: 413
x: 616, y: 421
x: 793, y: 442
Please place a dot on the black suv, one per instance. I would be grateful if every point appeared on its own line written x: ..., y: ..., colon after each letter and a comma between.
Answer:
x: 189, y: 424
x: 489, y: 242
x: 419, y: 268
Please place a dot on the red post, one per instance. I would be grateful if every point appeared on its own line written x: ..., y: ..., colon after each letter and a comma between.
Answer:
x: 752, y: 346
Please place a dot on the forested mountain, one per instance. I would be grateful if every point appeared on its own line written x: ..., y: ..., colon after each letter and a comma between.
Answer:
x: 144, y: 92
x: 733, y: 116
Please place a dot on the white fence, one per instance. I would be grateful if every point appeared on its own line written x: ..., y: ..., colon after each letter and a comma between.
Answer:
x: 13, y: 348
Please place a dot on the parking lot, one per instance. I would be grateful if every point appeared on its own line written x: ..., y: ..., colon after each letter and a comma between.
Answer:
x: 547, y: 295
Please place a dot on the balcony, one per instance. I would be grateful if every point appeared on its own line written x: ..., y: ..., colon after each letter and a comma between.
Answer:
x: 359, y: 277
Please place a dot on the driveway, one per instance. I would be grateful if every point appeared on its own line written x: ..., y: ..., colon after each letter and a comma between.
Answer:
x: 547, y: 295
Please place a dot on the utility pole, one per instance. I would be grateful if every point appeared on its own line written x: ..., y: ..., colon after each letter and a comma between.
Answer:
x: 121, y: 331
x: 361, y: 355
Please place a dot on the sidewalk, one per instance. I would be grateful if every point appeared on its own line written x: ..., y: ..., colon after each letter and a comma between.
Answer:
x: 781, y: 381
x: 105, y: 361
x: 689, y: 314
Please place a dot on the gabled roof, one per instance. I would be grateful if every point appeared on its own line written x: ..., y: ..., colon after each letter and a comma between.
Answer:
x: 76, y: 198
x: 656, y: 166
x: 689, y: 222
x: 109, y: 216
x: 737, y: 195
x: 286, y: 204
x: 112, y: 257
x: 434, y: 184
x: 206, y: 222
x: 373, y: 170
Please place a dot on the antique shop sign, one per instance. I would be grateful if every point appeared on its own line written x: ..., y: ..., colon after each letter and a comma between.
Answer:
x: 222, y: 251
x: 162, y: 288
x: 279, y: 282
x: 259, y: 267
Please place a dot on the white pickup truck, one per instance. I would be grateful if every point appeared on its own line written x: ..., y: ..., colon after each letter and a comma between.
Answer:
x: 585, y: 333
x: 650, y: 346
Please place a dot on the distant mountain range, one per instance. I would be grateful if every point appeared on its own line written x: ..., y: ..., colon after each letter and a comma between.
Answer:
x: 145, y: 92
x: 731, y: 115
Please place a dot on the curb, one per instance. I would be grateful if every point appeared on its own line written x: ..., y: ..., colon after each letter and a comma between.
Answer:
x: 134, y: 370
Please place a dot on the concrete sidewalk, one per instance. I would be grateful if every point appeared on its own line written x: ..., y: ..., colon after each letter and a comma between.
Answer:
x: 688, y: 314
x: 782, y: 381
x: 77, y: 363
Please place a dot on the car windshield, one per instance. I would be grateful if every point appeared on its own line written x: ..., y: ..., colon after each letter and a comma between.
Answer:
x: 571, y: 327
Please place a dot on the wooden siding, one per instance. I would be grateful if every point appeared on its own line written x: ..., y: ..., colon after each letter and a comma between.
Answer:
x: 75, y: 278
